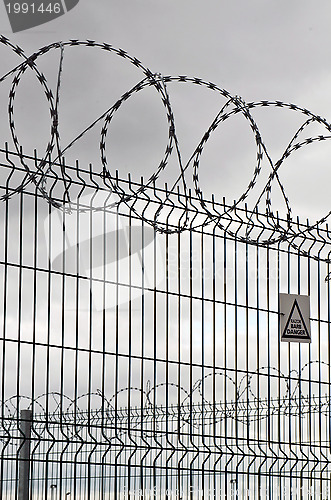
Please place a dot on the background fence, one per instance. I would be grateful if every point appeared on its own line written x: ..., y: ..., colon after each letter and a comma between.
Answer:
x: 140, y: 347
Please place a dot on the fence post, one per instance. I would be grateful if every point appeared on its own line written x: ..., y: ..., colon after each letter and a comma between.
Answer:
x: 24, y: 456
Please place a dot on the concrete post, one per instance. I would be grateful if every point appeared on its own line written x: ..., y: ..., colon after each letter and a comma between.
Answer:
x: 24, y: 455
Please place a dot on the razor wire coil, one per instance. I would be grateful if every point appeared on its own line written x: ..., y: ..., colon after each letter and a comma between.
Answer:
x: 245, y: 407
x: 234, y: 105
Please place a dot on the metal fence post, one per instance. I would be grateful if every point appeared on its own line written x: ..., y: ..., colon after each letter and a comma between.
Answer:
x: 24, y: 455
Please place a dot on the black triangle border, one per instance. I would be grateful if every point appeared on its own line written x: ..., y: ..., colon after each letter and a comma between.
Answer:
x: 284, y: 336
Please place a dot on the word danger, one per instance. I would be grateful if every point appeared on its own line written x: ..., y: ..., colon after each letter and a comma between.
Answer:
x: 296, y: 328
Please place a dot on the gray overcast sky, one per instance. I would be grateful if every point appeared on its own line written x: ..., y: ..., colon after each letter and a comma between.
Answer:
x: 257, y: 49
x: 251, y: 48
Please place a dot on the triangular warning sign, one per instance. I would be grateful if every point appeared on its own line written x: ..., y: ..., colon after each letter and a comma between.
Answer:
x: 295, y: 323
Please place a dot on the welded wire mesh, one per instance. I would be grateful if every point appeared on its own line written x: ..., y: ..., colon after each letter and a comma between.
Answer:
x: 150, y: 357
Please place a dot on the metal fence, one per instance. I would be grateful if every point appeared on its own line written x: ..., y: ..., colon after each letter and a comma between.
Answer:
x: 140, y: 348
x: 160, y: 370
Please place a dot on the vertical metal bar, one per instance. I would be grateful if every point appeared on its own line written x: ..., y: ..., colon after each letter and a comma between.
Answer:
x: 328, y: 430
x: 298, y: 440
x: 225, y: 357
x: 77, y: 324
x: 155, y: 365
x: 239, y: 450
x: 35, y: 256
x: 116, y: 348
x: 179, y: 464
x: 4, y: 330
x: 24, y: 455
x: 19, y: 318
x: 167, y: 305
x: 270, y: 420
x: 310, y: 390
x: 191, y: 382
x: 62, y: 354
x: 216, y: 437
x: 248, y: 482
x: 289, y: 358
x: 129, y: 243
x: 258, y: 394
x: 319, y: 359
x: 48, y: 341
x: 202, y: 258
x: 142, y: 364
x: 103, y: 480
x: 236, y: 426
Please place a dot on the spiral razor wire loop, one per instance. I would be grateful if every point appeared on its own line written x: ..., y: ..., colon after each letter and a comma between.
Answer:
x: 234, y: 105
x: 60, y: 407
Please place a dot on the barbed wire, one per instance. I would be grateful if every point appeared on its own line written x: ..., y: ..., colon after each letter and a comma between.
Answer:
x: 194, y: 408
x: 234, y: 105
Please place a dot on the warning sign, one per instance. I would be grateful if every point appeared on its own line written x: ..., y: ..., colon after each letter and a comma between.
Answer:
x: 294, y: 318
